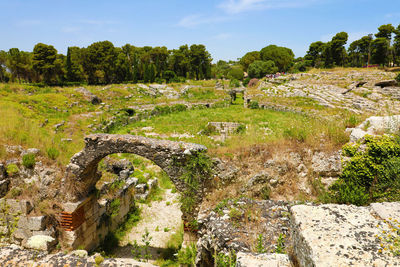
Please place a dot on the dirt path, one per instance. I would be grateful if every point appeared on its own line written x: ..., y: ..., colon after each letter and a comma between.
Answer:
x: 160, y: 218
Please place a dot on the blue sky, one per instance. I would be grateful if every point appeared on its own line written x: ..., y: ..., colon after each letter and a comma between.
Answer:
x: 229, y: 28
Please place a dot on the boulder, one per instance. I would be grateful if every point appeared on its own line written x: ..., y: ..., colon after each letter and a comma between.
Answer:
x: 41, y: 242
x: 324, y: 164
x: 376, y: 126
x: 388, y: 83
x: 89, y: 96
x: 338, y: 235
x: 268, y: 260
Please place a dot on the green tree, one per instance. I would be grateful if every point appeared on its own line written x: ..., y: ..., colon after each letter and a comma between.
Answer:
x: 314, y: 54
x: 359, y: 51
x: 43, y: 61
x: 3, y: 66
x: 179, y: 61
x: 200, y: 62
x: 236, y: 72
x: 249, y: 58
x: 259, y: 69
x: 379, y: 51
x: 385, y: 31
x: 282, y: 57
x: 73, y: 65
x: 99, y: 62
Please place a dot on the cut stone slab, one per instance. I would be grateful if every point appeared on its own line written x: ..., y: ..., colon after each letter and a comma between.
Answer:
x: 388, y: 210
x: 262, y: 260
x: 41, y: 242
x: 338, y: 235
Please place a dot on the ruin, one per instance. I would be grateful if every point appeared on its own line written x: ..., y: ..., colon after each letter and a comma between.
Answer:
x: 83, y: 216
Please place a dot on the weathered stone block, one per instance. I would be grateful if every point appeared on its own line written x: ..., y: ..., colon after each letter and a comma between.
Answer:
x: 338, y: 235
x: 41, y: 242
x: 36, y: 223
x: 267, y: 260
x: 18, y: 206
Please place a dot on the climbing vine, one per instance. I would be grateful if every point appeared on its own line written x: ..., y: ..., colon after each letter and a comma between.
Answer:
x: 197, y: 167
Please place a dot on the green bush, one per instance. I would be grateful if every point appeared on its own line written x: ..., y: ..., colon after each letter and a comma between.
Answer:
x: 246, y: 81
x: 29, y: 160
x: 253, y: 105
x: 52, y: 153
x: 234, y: 83
x: 398, y: 78
x: 371, y: 174
x: 12, y: 169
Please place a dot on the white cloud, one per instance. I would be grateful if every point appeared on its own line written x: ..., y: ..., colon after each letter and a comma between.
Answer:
x: 239, y: 6
x: 192, y: 21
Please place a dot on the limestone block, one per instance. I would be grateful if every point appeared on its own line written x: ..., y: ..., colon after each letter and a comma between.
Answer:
x: 41, y: 242
x: 19, y: 206
x: 36, y: 223
x: 264, y: 260
x: 388, y: 210
x: 338, y: 235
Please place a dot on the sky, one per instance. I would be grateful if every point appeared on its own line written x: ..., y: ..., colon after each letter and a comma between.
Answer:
x: 228, y: 28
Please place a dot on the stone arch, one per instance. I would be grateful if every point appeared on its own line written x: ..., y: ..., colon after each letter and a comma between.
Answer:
x: 168, y: 155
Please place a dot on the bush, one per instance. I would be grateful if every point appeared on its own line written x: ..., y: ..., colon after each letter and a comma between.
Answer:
x: 234, y: 83
x: 371, y: 174
x: 259, y: 69
x: 254, y: 105
x: 12, y: 169
x: 52, y: 153
x: 398, y: 78
x: 253, y: 83
x: 246, y: 81
x: 28, y: 160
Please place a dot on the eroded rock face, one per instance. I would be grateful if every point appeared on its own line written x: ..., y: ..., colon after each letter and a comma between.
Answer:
x: 16, y: 256
x: 376, y: 126
x: 339, y: 235
x: 255, y: 260
x: 89, y: 96
x: 236, y: 225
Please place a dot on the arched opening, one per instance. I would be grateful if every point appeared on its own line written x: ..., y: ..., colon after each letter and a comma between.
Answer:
x: 86, y: 220
x: 153, y: 227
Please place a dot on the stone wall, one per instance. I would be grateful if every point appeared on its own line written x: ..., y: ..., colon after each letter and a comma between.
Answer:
x: 22, y: 225
x: 88, y: 222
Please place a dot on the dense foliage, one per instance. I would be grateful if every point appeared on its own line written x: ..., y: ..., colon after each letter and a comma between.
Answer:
x: 372, y: 172
x: 102, y: 63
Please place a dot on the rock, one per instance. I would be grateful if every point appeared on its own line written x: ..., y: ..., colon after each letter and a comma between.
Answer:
x: 34, y: 151
x: 140, y: 188
x: 152, y: 183
x: 80, y: 253
x: 4, y: 187
x: 18, y: 206
x: 376, y: 126
x: 219, y: 232
x: 3, y: 172
x: 324, y: 164
x: 387, y: 210
x: 259, y: 260
x: 260, y: 178
x: 89, y: 96
x: 41, y: 242
x: 124, y: 174
x: 225, y: 171
x: 338, y: 235
x: 59, y: 125
x: 388, y: 83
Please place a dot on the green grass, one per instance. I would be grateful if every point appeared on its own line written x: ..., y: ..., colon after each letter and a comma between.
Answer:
x: 193, y: 121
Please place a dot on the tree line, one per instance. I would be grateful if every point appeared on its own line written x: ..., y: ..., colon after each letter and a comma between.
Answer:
x: 103, y: 63
x: 382, y: 48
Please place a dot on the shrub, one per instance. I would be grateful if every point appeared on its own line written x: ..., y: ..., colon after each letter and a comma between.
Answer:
x: 398, y: 78
x: 234, y: 83
x: 252, y: 83
x: 28, y: 160
x: 246, y: 81
x: 12, y: 169
x: 52, y: 153
x: 253, y: 105
x: 187, y: 256
x: 371, y: 174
